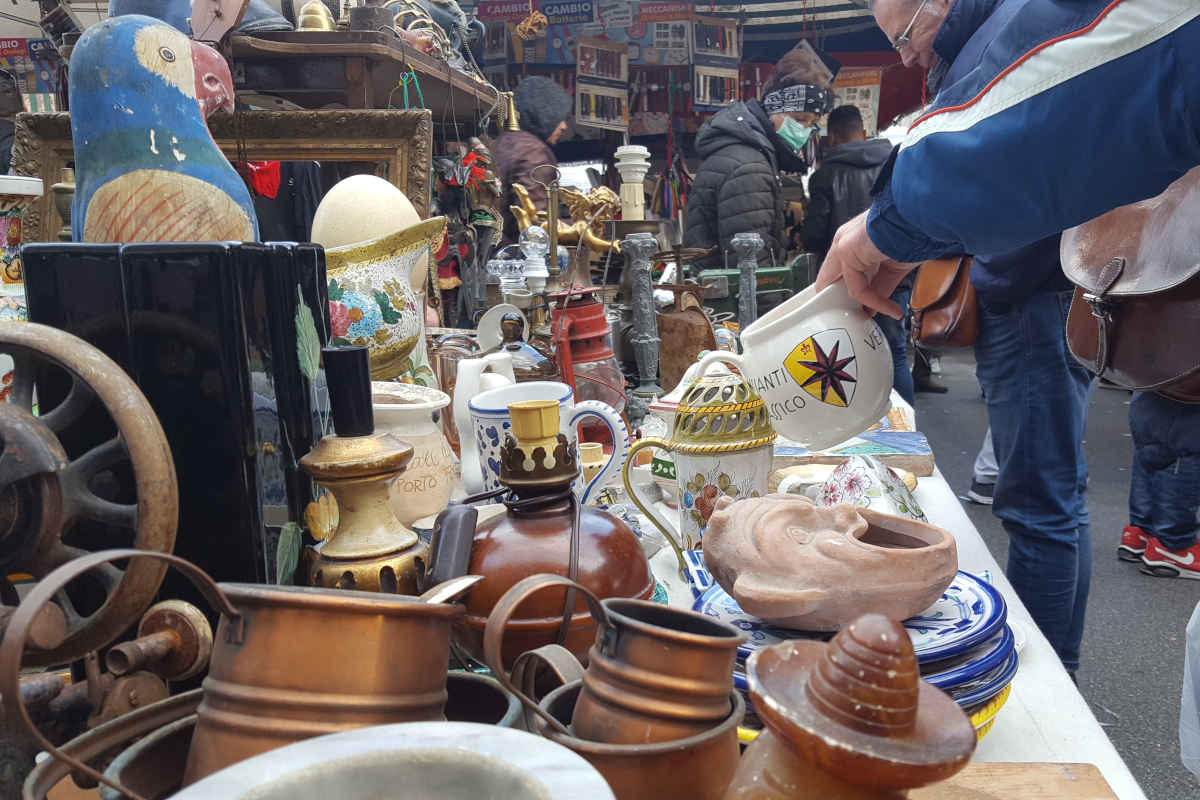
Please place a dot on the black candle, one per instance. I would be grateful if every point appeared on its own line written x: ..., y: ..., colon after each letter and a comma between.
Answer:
x: 348, y: 373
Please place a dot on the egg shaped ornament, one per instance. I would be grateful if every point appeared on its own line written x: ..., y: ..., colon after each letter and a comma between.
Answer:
x: 146, y: 166
x: 375, y: 243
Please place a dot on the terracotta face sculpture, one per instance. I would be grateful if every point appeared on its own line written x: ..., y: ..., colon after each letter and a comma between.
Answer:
x: 799, y: 565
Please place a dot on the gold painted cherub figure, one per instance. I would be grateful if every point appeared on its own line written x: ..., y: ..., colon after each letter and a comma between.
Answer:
x: 588, y: 213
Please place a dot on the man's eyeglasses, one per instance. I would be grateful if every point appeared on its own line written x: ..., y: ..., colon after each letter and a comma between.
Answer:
x: 902, y: 40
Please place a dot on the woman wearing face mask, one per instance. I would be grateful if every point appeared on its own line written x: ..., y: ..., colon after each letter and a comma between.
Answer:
x: 745, y: 147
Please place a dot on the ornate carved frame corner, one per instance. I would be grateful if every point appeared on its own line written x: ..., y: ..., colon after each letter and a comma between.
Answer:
x: 400, y: 143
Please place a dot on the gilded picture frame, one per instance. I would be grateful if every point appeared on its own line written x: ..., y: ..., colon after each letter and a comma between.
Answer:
x: 400, y: 143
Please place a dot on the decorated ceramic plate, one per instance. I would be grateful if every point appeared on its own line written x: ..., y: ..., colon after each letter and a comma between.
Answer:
x: 985, y: 687
x: 969, y: 613
x: 983, y: 659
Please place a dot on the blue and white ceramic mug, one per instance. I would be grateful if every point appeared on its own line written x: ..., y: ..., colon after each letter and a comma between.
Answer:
x: 490, y: 422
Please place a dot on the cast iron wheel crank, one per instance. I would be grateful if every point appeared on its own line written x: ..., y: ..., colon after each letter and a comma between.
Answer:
x: 46, y: 493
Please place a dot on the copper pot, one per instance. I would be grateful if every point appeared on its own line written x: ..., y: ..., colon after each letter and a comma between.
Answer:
x: 655, y: 673
x: 696, y: 768
x: 288, y: 663
x: 300, y: 662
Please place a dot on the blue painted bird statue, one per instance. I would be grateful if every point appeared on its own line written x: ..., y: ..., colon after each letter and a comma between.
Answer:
x: 146, y: 167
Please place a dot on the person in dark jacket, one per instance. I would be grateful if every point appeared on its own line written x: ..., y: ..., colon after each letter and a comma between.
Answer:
x: 11, y: 104
x: 744, y: 147
x: 838, y: 191
x: 542, y: 109
x: 1036, y: 392
x: 840, y: 188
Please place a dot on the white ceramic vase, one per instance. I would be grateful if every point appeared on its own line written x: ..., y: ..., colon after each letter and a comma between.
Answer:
x: 412, y: 414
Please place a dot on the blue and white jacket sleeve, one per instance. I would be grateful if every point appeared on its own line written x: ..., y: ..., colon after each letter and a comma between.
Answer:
x: 1073, y: 108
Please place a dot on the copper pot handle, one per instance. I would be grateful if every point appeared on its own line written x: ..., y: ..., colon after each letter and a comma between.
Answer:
x: 493, y: 636
x: 13, y: 645
x: 558, y: 659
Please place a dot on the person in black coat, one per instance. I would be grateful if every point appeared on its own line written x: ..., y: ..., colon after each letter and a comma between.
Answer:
x: 839, y: 190
x: 840, y: 187
x: 744, y: 147
x: 542, y: 111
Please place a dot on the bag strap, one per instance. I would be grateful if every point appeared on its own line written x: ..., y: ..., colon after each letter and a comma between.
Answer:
x: 1102, y: 310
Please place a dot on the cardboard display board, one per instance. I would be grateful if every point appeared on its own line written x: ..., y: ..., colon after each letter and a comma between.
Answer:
x: 859, y: 86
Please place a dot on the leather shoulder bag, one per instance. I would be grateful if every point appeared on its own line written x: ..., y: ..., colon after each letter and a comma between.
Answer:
x: 945, y: 310
x: 1135, y: 316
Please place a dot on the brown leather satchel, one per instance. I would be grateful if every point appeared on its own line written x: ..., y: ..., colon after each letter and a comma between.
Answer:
x: 1135, y: 317
x: 945, y: 310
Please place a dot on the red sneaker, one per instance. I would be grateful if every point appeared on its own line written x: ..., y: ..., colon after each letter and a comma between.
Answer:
x: 1163, y: 563
x: 1133, y: 543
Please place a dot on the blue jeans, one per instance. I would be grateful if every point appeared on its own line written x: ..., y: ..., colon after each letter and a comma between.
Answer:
x: 1164, y: 487
x: 1037, y: 399
x: 896, y: 333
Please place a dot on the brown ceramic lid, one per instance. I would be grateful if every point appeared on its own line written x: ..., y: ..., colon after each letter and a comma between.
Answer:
x: 857, y: 707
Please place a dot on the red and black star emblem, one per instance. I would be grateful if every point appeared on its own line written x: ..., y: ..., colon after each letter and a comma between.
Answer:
x: 830, y: 371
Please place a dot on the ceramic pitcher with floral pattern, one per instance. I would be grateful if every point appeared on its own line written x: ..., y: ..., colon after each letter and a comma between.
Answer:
x: 722, y: 443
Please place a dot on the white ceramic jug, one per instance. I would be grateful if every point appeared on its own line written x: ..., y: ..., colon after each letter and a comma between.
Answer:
x: 476, y: 375
x: 821, y: 364
x: 411, y: 413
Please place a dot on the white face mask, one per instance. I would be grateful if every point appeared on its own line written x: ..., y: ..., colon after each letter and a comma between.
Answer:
x: 795, y: 134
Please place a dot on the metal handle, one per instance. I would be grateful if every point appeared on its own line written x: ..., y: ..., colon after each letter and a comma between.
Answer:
x: 15, y: 715
x: 642, y: 444
x: 493, y: 633
x: 526, y: 669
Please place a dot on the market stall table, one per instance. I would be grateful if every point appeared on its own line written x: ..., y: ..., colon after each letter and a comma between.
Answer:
x: 1046, y: 719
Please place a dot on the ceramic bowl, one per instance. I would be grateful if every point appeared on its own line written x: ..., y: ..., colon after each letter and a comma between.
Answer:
x: 798, y: 565
x: 418, y: 761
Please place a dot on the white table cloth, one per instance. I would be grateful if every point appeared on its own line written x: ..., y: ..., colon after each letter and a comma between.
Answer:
x: 1045, y: 718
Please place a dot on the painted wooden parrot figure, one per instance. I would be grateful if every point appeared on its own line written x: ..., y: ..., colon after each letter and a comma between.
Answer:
x: 146, y: 167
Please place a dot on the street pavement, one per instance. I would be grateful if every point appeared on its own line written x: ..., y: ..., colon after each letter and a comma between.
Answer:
x: 1132, y: 665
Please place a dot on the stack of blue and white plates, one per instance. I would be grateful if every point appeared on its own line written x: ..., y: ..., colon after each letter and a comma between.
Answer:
x: 962, y: 642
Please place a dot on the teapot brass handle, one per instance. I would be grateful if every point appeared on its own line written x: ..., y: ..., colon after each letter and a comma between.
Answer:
x: 13, y: 647
x: 651, y: 514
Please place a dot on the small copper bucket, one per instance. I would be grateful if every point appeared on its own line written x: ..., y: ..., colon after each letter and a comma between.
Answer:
x: 288, y: 663
x: 655, y: 673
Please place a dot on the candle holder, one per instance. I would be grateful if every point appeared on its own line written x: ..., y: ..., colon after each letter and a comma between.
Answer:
x: 633, y: 162
x: 637, y: 247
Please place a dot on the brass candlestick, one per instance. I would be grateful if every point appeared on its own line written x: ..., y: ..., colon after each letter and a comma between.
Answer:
x: 371, y: 550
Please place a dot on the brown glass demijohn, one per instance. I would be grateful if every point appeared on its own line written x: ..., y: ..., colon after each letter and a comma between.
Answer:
x: 535, y: 536
x: 528, y: 362
x: 850, y: 719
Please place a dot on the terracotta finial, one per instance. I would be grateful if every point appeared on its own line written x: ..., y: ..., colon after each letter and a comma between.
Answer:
x: 856, y: 711
x: 868, y: 678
